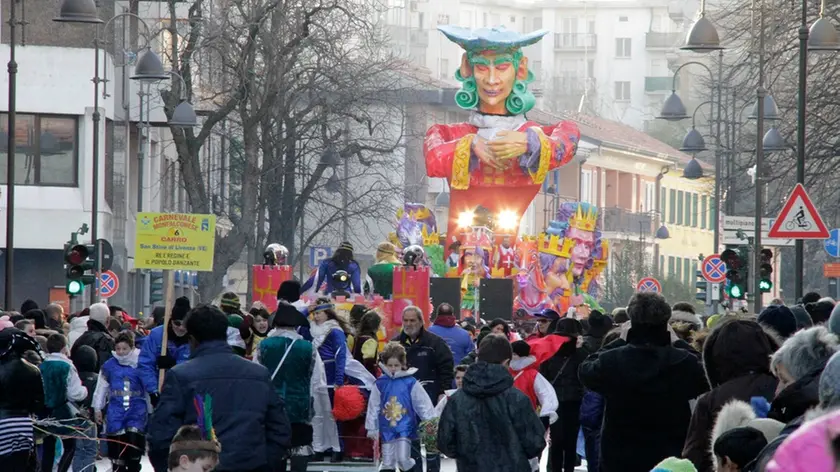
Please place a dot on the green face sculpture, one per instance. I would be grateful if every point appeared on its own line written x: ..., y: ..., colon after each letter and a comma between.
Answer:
x: 495, y: 82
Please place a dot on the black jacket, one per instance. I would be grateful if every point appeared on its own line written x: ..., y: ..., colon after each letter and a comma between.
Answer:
x: 647, y: 384
x: 487, y: 413
x: 432, y: 358
x: 561, y: 370
x: 736, y: 356
x: 97, y: 337
x: 21, y: 388
x: 85, y: 361
x: 797, y: 398
x: 248, y: 415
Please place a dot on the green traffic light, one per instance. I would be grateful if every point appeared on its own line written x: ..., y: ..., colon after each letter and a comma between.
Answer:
x: 74, y: 287
x: 736, y: 292
x: 765, y: 285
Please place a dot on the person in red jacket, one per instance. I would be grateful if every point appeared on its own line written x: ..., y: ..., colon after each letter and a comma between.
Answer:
x: 527, y: 378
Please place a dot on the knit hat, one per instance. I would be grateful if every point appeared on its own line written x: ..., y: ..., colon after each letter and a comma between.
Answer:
x: 287, y: 316
x: 180, y: 309
x: 569, y: 327
x: 780, y: 318
x: 599, y: 324
x: 230, y: 303
x: 289, y: 290
x: 99, y: 312
x: 521, y: 348
x: 346, y: 246
x: 713, y: 320
x: 821, y: 310
x: 28, y: 305
x: 803, y: 319
x: 548, y: 314
x: 673, y: 464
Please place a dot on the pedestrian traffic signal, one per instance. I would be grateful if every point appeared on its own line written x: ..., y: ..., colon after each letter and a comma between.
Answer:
x: 702, y: 286
x: 765, y: 270
x: 78, y: 259
x: 735, y: 258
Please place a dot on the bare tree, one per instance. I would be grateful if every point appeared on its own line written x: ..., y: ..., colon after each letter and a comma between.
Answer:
x: 287, y: 87
x: 741, y: 32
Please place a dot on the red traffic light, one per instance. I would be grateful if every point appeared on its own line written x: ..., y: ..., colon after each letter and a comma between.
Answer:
x: 766, y: 254
x: 77, y: 255
x: 731, y: 259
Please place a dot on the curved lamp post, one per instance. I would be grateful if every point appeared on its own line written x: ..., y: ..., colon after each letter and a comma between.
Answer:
x: 702, y: 36
x: 148, y: 68
x: 183, y: 116
x: 773, y: 141
x: 693, y: 141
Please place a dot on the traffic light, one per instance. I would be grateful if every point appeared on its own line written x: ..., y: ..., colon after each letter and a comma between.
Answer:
x: 735, y: 258
x: 155, y: 288
x: 78, y: 259
x: 701, y: 285
x: 765, y: 270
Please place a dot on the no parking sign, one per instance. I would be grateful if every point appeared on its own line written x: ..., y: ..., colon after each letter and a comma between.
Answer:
x: 109, y: 283
x: 649, y: 285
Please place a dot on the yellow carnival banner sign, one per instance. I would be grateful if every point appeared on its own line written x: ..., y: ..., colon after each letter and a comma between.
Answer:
x: 175, y: 241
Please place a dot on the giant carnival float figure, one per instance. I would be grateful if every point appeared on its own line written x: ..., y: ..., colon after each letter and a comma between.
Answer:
x: 571, y: 258
x: 498, y: 159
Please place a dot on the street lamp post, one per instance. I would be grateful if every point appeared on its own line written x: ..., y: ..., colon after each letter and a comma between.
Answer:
x: 821, y: 37
x: 10, y: 158
x: 148, y: 67
x: 759, y: 161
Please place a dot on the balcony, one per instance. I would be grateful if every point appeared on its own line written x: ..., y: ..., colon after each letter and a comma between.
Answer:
x: 663, y: 41
x: 572, y: 42
x: 618, y: 222
x: 656, y: 85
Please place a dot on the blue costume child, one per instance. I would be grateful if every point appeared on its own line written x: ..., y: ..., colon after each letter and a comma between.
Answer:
x: 122, y: 390
x: 392, y: 413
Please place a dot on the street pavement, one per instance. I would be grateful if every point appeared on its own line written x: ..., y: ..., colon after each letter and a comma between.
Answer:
x: 447, y: 465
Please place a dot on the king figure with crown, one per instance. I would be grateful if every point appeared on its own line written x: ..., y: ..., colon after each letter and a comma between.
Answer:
x: 474, y: 260
x: 572, y: 257
x: 498, y: 159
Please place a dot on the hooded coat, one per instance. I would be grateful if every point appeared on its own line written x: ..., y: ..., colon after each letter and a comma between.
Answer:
x: 647, y: 383
x: 97, y: 337
x: 736, y: 357
x: 488, y: 410
x: 78, y: 326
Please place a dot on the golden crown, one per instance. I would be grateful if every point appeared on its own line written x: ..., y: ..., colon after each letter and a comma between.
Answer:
x: 554, y: 245
x: 585, y: 220
x: 430, y: 239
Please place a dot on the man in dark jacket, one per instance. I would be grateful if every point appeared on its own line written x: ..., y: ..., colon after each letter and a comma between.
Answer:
x: 97, y: 335
x: 431, y: 356
x: 488, y: 425
x: 736, y: 356
x: 248, y: 415
x: 647, y: 379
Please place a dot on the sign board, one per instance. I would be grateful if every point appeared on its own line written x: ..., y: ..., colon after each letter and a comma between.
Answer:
x: 713, y: 269
x: 318, y: 254
x: 831, y: 270
x: 832, y: 244
x: 59, y: 296
x: 173, y: 241
x: 745, y: 223
x: 649, y: 284
x: 714, y: 292
x: 109, y: 283
x: 799, y: 219
x: 743, y: 237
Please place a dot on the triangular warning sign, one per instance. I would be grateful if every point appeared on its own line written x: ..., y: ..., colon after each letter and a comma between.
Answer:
x: 799, y: 219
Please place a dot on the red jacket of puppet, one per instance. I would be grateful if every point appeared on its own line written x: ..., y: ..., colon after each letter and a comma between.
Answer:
x: 498, y: 159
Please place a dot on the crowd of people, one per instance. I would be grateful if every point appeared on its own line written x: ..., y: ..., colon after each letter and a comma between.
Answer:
x: 649, y: 387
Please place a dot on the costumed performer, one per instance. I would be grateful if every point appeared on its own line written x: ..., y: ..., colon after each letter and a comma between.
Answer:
x: 394, y: 406
x: 342, y: 259
x: 498, y: 159
x: 382, y: 272
x: 297, y: 373
x: 124, y: 389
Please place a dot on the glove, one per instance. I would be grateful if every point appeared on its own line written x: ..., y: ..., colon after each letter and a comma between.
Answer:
x: 165, y: 362
x: 546, y: 421
x: 154, y: 398
x: 245, y: 327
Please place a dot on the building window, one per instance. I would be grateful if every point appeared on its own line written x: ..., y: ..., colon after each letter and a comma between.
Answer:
x: 486, y: 19
x: 694, y: 210
x: 622, y: 91
x: 672, y: 208
x: 46, y: 150
x: 693, y: 273
x: 622, y: 48
x: 586, y: 186
x: 622, y: 19
x: 679, y: 272
x: 661, y: 267
x: 537, y: 23
x: 680, y: 207
x: 512, y: 19
x: 650, y: 196
x: 444, y: 68
x: 465, y: 18
x: 687, y: 208
x: 703, y: 206
x: 670, y: 266
x: 687, y: 271
x: 443, y: 19
x: 712, y: 213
